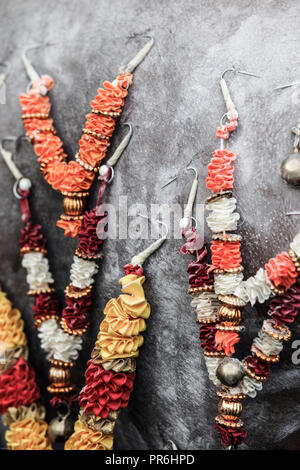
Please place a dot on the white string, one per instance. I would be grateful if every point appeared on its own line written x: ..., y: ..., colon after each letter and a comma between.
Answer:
x: 139, y: 259
x: 189, y: 206
x: 139, y: 57
x: 120, y: 149
x: 7, y: 156
x: 30, y: 70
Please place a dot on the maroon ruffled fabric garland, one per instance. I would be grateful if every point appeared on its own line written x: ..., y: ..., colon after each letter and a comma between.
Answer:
x: 284, y: 308
x: 89, y: 242
x: 45, y: 304
x: 258, y: 366
x: 105, y: 391
x: 76, y: 310
x: 32, y: 237
x: 230, y: 436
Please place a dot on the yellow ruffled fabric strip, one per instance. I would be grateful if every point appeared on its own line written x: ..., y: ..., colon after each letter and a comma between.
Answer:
x: 11, y: 324
x: 118, y: 338
x: 28, y: 434
x: 125, y: 318
x: 84, y: 438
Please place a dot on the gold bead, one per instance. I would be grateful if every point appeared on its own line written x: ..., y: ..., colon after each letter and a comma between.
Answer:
x: 73, y: 206
x: 229, y: 314
x: 59, y: 377
x: 232, y: 409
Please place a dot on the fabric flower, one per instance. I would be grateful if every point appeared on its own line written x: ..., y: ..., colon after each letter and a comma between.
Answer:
x: 82, y: 272
x: 223, y: 216
x: 38, y: 274
x: 254, y: 289
x: 70, y: 227
x: 207, y: 337
x: 57, y: 343
x: 281, y: 271
x: 225, y: 341
x: 231, y: 436
x: 105, y: 391
x: 89, y: 243
x: 32, y: 236
x: 75, y: 312
x: 84, y: 438
x: 257, y: 366
x: 227, y: 284
x: 193, y: 242
x: 45, y: 304
x: 284, y: 308
x: 17, y: 386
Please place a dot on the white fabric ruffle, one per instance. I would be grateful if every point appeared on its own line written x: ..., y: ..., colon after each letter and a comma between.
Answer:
x: 226, y: 284
x: 206, y: 304
x: 266, y: 344
x: 295, y: 245
x: 82, y: 272
x: 57, y: 343
x: 222, y: 218
x: 212, y: 363
x: 255, y: 289
x: 249, y: 386
x: 38, y: 274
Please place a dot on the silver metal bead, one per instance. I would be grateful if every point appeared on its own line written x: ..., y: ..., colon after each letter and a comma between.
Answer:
x: 230, y: 372
x: 290, y: 169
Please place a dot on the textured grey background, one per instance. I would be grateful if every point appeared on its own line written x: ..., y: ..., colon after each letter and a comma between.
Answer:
x: 174, y: 106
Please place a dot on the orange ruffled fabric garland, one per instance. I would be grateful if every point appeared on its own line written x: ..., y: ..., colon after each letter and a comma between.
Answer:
x: 18, y: 390
x: 110, y: 374
x: 75, y: 178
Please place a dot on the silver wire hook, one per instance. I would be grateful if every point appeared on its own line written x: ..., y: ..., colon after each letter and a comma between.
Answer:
x: 157, y: 221
x: 193, y: 169
x: 237, y: 70
x: 175, y: 177
x: 288, y: 85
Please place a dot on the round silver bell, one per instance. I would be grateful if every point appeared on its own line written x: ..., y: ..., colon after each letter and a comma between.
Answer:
x: 290, y: 169
x: 230, y: 371
x: 60, y: 427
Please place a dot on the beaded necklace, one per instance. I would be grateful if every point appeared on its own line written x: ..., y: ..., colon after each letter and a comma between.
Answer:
x: 75, y: 178
x: 219, y: 292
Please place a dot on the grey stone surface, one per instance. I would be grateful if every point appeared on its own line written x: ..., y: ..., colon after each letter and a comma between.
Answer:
x: 174, y: 106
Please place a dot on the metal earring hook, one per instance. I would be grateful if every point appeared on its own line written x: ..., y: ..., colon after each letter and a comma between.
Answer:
x: 237, y: 70
x: 22, y: 183
x: 288, y: 85
x: 175, y: 177
x: 225, y: 91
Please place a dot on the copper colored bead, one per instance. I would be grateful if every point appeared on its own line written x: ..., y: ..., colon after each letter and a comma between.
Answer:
x: 73, y: 206
x: 230, y: 408
x: 229, y: 314
x: 59, y: 377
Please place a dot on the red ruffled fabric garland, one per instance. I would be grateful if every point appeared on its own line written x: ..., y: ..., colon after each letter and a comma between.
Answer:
x: 18, y: 386
x: 105, y: 391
